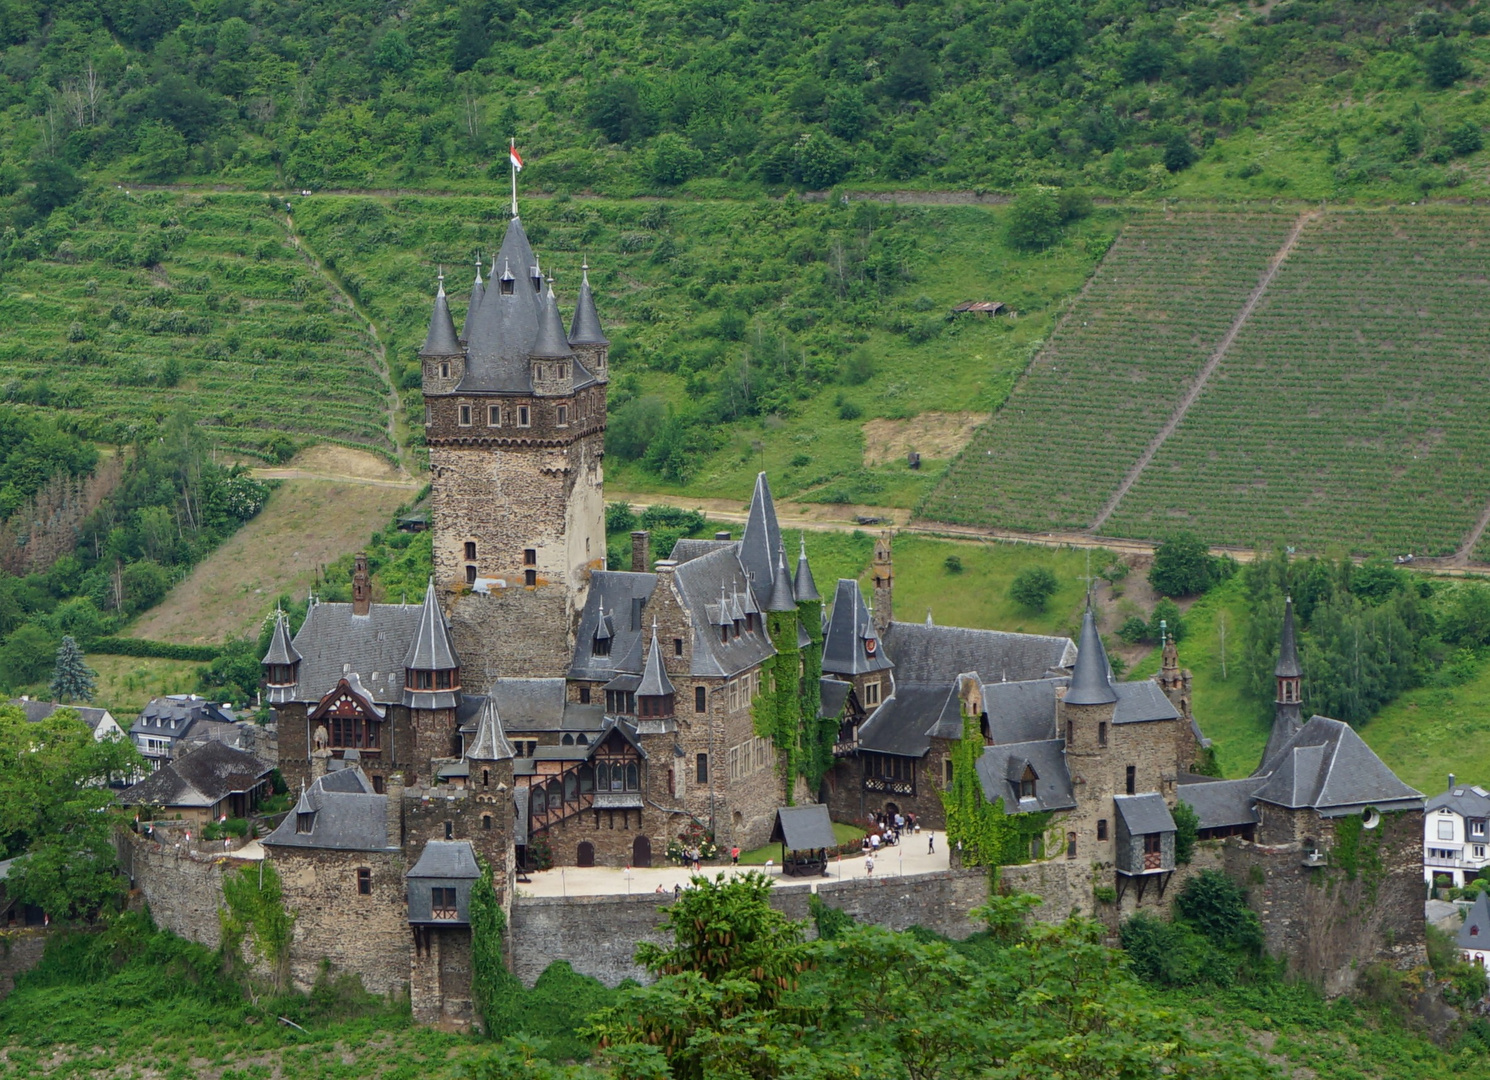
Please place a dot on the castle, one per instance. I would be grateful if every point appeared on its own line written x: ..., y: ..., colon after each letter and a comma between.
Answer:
x: 538, y: 707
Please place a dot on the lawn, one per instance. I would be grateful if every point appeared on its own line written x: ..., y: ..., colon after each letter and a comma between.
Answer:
x: 844, y: 834
x: 126, y: 683
x: 1432, y: 731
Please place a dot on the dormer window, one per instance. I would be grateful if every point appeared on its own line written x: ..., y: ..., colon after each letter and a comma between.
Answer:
x: 305, y: 822
x: 507, y: 284
x: 1027, y: 783
x: 445, y: 679
x: 600, y: 647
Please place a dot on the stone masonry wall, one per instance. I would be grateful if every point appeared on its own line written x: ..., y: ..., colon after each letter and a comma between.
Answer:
x: 20, y: 951
x: 512, y: 632
x: 184, y: 894
x: 598, y: 935
x: 365, y: 935
x: 1066, y: 886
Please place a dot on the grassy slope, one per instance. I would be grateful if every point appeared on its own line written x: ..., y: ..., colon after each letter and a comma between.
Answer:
x: 1430, y: 732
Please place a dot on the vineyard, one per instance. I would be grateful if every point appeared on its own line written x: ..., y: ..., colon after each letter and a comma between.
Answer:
x: 1351, y: 409
x: 1112, y: 373
x: 126, y: 306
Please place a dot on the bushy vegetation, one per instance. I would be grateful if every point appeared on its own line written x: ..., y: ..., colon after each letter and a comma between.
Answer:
x: 1120, y: 95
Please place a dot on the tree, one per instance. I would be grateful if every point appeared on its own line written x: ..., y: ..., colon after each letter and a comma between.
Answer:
x: 1466, y: 138
x: 162, y: 151
x: 615, y: 110
x: 1443, y: 65
x: 1034, y: 219
x: 911, y: 76
x: 73, y: 679
x: 26, y: 656
x: 393, y: 52
x: 822, y: 160
x: 1179, y: 154
x: 472, y: 39
x: 53, y: 184
x: 1186, y: 829
x: 1051, y: 31
x: 1182, y: 566
x: 1033, y: 587
x: 1166, y: 619
x: 674, y: 159
x: 634, y: 425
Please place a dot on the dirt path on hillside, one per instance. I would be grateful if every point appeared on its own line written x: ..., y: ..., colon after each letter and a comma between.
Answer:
x: 1206, y: 371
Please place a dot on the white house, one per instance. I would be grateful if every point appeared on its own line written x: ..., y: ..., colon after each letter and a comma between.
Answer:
x: 1454, y: 833
x: 1474, y: 936
x: 100, y: 721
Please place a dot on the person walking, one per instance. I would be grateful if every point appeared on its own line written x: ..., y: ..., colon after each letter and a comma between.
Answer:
x: 734, y: 855
x: 931, y: 843
x: 869, y: 865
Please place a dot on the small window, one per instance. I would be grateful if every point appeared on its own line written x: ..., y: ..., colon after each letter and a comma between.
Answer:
x: 700, y: 699
x: 486, y: 822
x: 1070, y: 845
x: 703, y: 768
x: 530, y: 556
x: 678, y: 651
x: 947, y: 772
x: 584, y: 695
x: 470, y: 575
x: 364, y: 881
x: 872, y: 693
x: 506, y: 286
x: 1477, y: 826
x: 304, y: 823
x: 1445, y: 828
x: 563, y: 416
x: 449, y: 830
x: 445, y: 369
x: 486, y: 778
x: 530, y: 576
x: 442, y: 902
x: 471, y: 550
x: 1101, y: 828
x: 380, y: 786
x: 524, y: 416
x: 1070, y: 732
x: 1132, y: 779
x: 465, y: 416
x: 494, y: 416
x: 1153, y: 843
x: 1102, y: 733
x: 563, y: 370
x: 567, y: 740
x: 1027, y: 783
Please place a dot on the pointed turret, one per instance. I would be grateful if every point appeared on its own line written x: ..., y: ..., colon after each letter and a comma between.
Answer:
x: 440, y: 340
x: 654, y: 696
x: 1288, y: 704
x: 551, y: 344
x: 760, y: 539
x: 281, y: 663
x: 805, y: 587
x: 478, y: 291
x: 431, y: 668
x: 1090, y: 682
x: 585, y: 329
x: 506, y: 325
x: 781, y: 591
x: 491, y: 741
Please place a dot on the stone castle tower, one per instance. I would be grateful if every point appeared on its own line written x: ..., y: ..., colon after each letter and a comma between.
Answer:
x: 515, y: 423
x: 884, y: 581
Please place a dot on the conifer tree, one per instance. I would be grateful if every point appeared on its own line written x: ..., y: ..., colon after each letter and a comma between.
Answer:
x: 73, y: 678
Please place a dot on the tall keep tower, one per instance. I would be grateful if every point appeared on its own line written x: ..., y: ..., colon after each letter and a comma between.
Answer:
x: 515, y: 424
x: 883, y: 570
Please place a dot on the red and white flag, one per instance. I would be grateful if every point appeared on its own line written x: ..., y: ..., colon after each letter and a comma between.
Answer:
x: 517, y: 161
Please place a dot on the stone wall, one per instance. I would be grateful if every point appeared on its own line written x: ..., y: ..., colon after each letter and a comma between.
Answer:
x: 184, y: 894
x: 598, y: 935
x: 1067, y: 886
x: 512, y: 632
x: 20, y: 951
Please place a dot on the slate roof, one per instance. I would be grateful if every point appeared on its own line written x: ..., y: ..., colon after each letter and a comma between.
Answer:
x: 622, y: 596
x: 478, y: 291
x: 902, y: 723
x: 1091, y: 679
x: 1288, y: 665
x: 506, y: 326
x: 1020, y: 711
x: 1475, y: 933
x: 172, y: 716
x: 1465, y: 800
x: 349, y: 816
x: 37, y: 711
x: 1140, y: 701
x: 686, y: 549
x: 804, y: 586
x: 585, y: 329
x: 201, y: 778
x: 782, y: 598
x: 529, y: 705
x: 334, y: 642
x: 281, y: 650
x: 938, y: 654
x: 1144, y: 813
x: 832, y: 695
x: 655, y: 682
x: 491, y: 742
x: 432, y: 649
x: 551, y: 342
x: 849, y: 625
x: 702, y: 582
x: 1221, y: 803
x: 803, y: 828
x: 1328, y: 767
x: 761, y: 539
x: 446, y: 859
x: 440, y: 340
x: 1052, y: 780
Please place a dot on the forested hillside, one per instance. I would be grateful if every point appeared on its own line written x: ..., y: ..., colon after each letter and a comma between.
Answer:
x: 1307, y: 97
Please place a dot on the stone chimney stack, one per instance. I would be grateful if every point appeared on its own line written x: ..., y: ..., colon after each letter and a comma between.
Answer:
x: 320, y: 761
x: 641, y: 556
x: 395, y: 790
x: 361, y: 585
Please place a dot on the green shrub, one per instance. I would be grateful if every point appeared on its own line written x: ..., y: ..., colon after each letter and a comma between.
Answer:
x: 1033, y: 587
x: 849, y: 411
x: 953, y: 563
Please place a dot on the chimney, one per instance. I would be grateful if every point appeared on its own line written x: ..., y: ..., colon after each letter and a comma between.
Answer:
x: 394, y: 787
x: 361, y: 585
x: 639, y: 553
x: 1451, y: 781
x: 723, y: 534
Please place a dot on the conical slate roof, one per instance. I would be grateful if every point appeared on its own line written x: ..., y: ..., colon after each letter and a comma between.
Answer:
x: 1288, y: 653
x: 440, y: 340
x: 281, y: 649
x: 478, y: 291
x: 585, y: 329
x: 506, y: 325
x: 1474, y: 935
x: 1090, y: 683
x: 432, y: 649
x: 551, y: 342
x: 805, y: 587
x: 655, y: 682
x: 491, y: 741
x: 761, y: 539
x: 781, y: 592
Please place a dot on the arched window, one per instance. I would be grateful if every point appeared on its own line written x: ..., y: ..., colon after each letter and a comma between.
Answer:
x: 555, y: 795
x: 633, y: 778
x: 582, y: 740
x: 571, y: 787
x: 618, y: 777
x: 486, y: 778
x: 602, y: 777
x: 486, y: 821
x: 567, y: 740
x: 586, y: 780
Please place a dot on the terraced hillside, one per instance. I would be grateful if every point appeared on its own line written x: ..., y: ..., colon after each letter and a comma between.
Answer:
x: 1354, y: 406
x: 1113, y: 371
x: 1351, y: 408
x: 125, y: 306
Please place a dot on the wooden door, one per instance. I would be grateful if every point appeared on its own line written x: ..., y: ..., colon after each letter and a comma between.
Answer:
x: 586, y: 854
x: 641, y: 852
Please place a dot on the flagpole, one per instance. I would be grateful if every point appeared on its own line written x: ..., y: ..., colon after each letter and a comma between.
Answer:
x: 512, y: 150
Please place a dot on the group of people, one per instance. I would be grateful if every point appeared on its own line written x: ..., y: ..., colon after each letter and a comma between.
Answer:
x: 885, y: 829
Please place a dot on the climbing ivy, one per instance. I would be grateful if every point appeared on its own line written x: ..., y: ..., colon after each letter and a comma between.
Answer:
x: 818, y: 732
x: 1357, y: 850
x: 255, y: 911
x: 776, y: 710
x: 988, y: 835
x: 493, y: 987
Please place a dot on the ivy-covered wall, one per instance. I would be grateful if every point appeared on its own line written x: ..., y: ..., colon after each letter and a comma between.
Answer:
x: 786, y: 708
x: 988, y: 835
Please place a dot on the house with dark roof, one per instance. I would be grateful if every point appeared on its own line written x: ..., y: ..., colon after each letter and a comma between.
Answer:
x: 166, y: 723
x: 209, y: 782
x: 1473, y: 938
x: 100, y: 721
x: 1455, y: 833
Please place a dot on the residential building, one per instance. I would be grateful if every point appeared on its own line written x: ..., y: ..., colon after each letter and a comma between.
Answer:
x: 1454, y: 833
